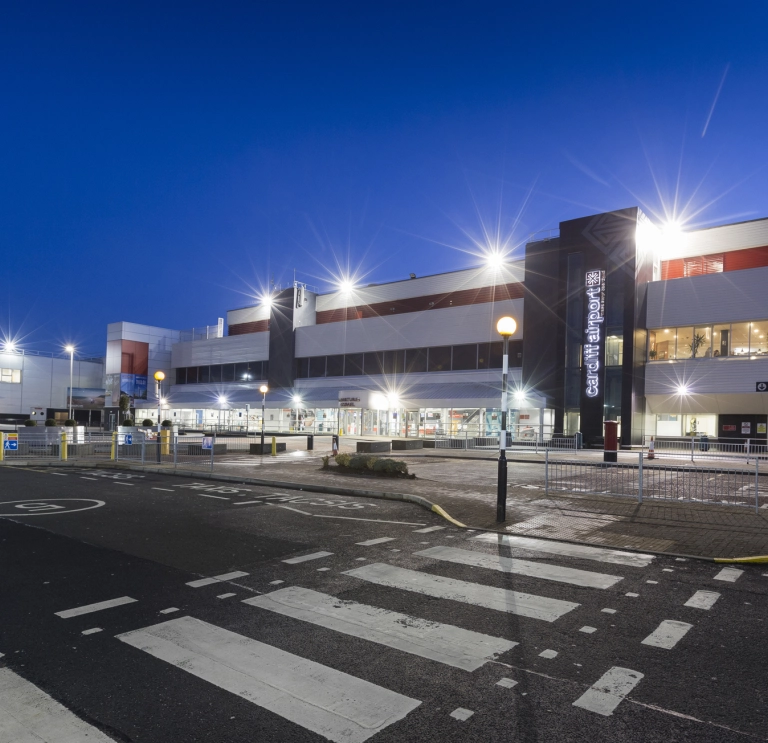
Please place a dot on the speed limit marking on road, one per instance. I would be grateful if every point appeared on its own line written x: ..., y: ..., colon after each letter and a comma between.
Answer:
x: 48, y: 506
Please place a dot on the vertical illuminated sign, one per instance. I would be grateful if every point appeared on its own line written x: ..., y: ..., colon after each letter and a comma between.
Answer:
x: 594, y: 334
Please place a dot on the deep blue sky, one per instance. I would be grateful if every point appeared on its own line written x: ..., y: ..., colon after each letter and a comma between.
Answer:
x: 160, y: 161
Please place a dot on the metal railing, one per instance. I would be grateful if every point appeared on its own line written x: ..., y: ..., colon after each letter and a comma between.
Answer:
x: 702, y: 484
x: 468, y: 441
x: 706, y: 447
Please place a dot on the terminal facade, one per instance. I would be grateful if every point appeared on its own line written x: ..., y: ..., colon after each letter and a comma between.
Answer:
x: 617, y: 319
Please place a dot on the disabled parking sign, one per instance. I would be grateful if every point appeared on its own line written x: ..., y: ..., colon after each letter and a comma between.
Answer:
x: 11, y: 442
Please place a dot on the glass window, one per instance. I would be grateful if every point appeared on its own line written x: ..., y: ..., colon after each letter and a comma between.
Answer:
x: 181, y: 375
x: 740, y: 339
x: 614, y: 350
x: 721, y: 339
x: 353, y: 364
x: 496, y: 355
x: 684, y: 338
x: 702, y: 342
x: 465, y: 357
x: 244, y: 372
x: 317, y: 367
x: 515, y: 353
x: 302, y: 368
x: 489, y: 355
x: 652, y: 352
x: 16, y: 376
x: 372, y: 363
x: 758, y: 342
x: 394, y: 362
x: 216, y: 373
x: 203, y: 374
x: 439, y: 359
x: 11, y: 376
x: 416, y: 360
x: 334, y: 366
x: 665, y: 343
x: 262, y: 367
x: 227, y: 372
x: 193, y: 374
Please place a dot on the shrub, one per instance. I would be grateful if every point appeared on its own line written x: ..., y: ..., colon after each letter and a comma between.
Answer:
x: 326, y: 462
x: 390, y: 466
x: 362, y: 462
x: 343, y: 459
x: 50, y: 422
x: 70, y: 423
x: 167, y: 424
x: 147, y: 422
x: 127, y: 422
x: 30, y: 423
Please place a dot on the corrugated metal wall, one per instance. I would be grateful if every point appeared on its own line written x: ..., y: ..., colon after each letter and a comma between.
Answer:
x: 231, y: 348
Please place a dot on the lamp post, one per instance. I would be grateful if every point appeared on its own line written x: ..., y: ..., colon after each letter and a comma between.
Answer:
x: 506, y: 327
x: 159, y: 377
x: 263, y: 389
x: 71, y: 351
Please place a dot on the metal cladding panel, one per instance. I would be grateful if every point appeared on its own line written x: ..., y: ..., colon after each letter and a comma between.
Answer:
x: 474, y: 278
x: 706, y: 376
x: 247, y: 314
x: 736, y: 296
x: 445, y: 327
x: 718, y: 404
x: 722, y: 239
x: 231, y: 348
x: 282, y: 365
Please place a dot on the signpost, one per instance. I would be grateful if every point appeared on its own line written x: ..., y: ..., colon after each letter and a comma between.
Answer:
x: 11, y: 442
x: 128, y: 439
x: 761, y: 387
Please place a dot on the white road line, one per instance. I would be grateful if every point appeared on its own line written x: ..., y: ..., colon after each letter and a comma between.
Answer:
x: 601, y: 554
x: 539, y: 570
x: 246, y: 502
x: 288, y: 508
x: 167, y: 490
x: 371, y: 542
x: 443, y: 643
x: 231, y: 576
x: 304, y: 558
x: 549, y: 654
x: 28, y: 714
x: 69, y: 613
x: 729, y: 574
x: 89, y: 478
x: 60, y: 474
x: 667, y: 634
x: 609, y: 691
x: 428, y: 529
x: 506, y: 683
x: 588, y: 630
x: 500, y: 599
x: 335, y: 705
x: 201, y: 582
x: 461, y: 714
x: 170, y: 610
x: 91, y: 631
x: 205, y: 495
x: 129, y: 484
x: 356, y: 518
x: 226, y: 595
x: 702, y: 600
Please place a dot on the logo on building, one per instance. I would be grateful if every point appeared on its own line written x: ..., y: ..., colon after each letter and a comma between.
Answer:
x: 593, y: 341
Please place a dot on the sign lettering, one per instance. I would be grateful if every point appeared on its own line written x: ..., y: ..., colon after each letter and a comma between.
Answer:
x: 593, y: 333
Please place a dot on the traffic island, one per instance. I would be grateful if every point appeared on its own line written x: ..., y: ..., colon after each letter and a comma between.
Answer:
x: 366, y: 465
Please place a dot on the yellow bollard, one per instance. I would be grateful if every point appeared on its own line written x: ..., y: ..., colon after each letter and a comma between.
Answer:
x: 165, y: 441
x: 274, y: 446
x: 63, y: 446
x: 2, y: 446
x: 114, y: 446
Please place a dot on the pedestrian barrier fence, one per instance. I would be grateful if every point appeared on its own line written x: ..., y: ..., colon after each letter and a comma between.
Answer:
x: 640, y: 480
x: 514, y: 443
x: 706, y: 447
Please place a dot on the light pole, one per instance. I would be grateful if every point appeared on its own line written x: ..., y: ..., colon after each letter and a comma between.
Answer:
x: 71, y: 351
x: 263, y: 389
x: 159, y: 377
x: 506, y: 327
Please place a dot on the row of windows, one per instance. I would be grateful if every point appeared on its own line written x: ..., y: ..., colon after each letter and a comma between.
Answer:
x: 12, y: 376
x: 707, y: 341
x: 246, y: 371
x: 440, y: 358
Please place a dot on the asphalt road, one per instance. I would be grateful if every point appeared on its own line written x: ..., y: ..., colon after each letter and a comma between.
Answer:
x: 212, y: 630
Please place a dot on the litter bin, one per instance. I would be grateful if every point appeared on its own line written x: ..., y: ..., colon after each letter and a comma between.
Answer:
x: 310, y: 442
x: 704, y: 443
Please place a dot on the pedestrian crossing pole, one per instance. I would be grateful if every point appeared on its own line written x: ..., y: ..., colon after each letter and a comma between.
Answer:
x: 506, y: 327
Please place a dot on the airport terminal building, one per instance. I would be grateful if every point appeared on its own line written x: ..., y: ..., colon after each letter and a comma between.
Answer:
x: 664, y: 332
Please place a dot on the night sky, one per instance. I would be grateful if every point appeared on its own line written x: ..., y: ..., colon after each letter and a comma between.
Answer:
x: 162, y: 163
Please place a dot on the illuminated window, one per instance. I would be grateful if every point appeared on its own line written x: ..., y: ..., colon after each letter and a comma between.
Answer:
x: 11, y: 376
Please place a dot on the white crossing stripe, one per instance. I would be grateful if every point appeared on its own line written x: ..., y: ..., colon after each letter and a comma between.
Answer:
x: 609, y: 690
x: 461, y: 713
x: 304, y: 558
x: 540, y: 570
x: 69, y: 613
x: 428, y: 529
x: 500, y: 599
x: 333, y: 704
x: 444, y: 643
x: 729, y: 574
x: 667, y: 634
x: 231, y: 576
x: 601, y: 554
x: 380, y: 540
x: 91, y: 631
x: 201, y: 582
x: 29, y: 715
x: 702, y: 600
x: 216, y: 579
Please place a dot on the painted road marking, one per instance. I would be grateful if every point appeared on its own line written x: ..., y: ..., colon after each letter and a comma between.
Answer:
x: 443, y: 643
x: 608, y: 611
x: 548, y: 654
x: 632, y: 595
x: 216, y: 579
x: 101, y: 605
x: 47, y: 507
x: 588, y: 630
x: 355, y: 518
x: 231, y: 576
x: 226, y: 595
x: 540, y: 570
x: 201, y: 582
x: 246, y: 502
x: 304, y: 558
x: 166, y: 490
x: 601, y: 554
x: 127, y: 484
x: 90, y: 478
x: 60, y: 474
x: 702, y: 600
x: 288, y: 508
x: 667, y: 634
x: 332, y: 704
x: 371, y: 542
x: 169, y: 610
x: 205, y: 495
x: 506, y: 683
x: 276, y: 582
x: 29, y: 714
x: 609, y: 691
x: 500, y: 599
x: 462, y: 713
x: 91, y: 631
x: 428, y: 529
x: 729, y: 574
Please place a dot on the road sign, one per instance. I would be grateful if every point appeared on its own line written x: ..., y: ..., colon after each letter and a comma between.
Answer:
x: 207, y: 442
x: 761, y: 387
x: 128, y: 439
x: 11, y: 442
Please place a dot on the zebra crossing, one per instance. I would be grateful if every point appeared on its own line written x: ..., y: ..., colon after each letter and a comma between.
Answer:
x: 338, y: 705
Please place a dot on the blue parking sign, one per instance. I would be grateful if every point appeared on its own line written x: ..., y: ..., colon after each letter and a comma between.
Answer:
x: 207, y: 442
x: 128, y: 439
x: 11, y: 442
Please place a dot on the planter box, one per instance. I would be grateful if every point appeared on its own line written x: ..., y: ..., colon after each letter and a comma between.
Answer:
x: 373, y: 447
x: 257, y: 448
x: 405, y: 444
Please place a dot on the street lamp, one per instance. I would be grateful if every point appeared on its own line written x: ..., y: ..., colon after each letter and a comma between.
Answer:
x: 263, y: 389
x: 506, y: 327
x: 71, y: 351
x: 159, y: 377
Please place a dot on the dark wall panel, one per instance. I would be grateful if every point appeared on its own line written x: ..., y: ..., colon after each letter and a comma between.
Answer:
x: 281, y: 341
